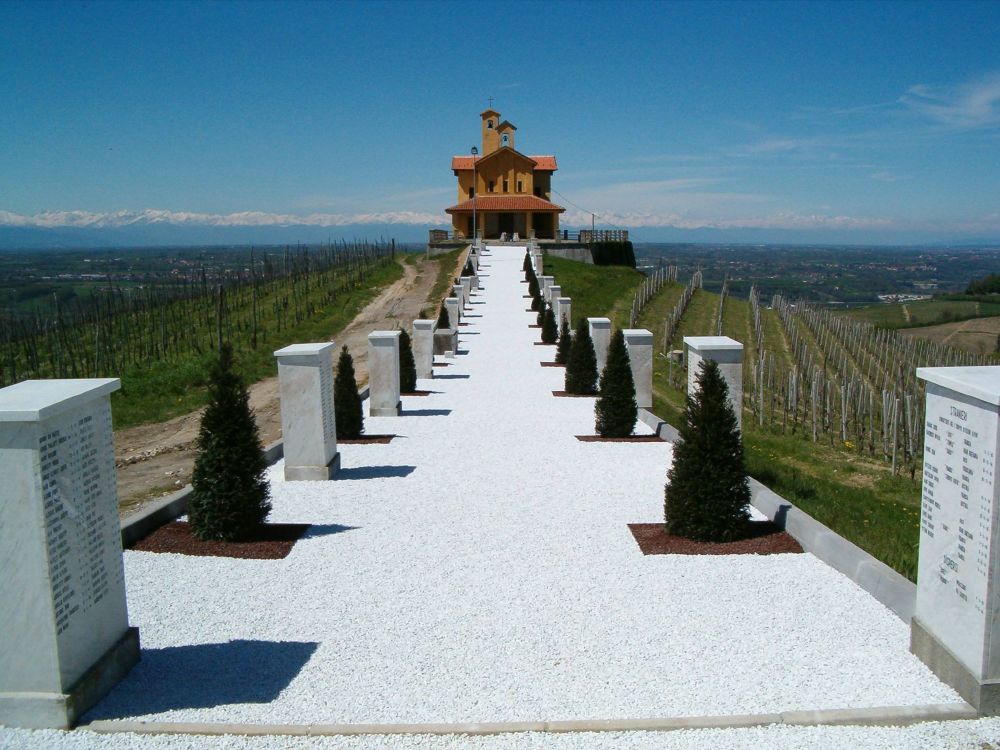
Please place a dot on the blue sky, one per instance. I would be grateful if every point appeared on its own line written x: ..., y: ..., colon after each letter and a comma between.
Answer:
x: 862, y: 122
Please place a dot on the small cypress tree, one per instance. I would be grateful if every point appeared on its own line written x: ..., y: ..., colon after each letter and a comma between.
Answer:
x: 468, y: 270
x: 444, y: 320
x: 526, y: 264
x: 231, y: 498
x: 565, y: 342
x: 616, y: 411
x: 346, y: 401
x: 581, y: 366
x: 707, y: 493
x: 540, y: 317
x: 407, y: 365
x: 533, y: 287
x: 550, y: 331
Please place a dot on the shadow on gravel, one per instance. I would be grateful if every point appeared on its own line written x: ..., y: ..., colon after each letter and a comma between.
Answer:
x: 425, y: 412
x: 452, y: 377
x: 374, y: 472
x: 205, y: 675
x: 327, y: 529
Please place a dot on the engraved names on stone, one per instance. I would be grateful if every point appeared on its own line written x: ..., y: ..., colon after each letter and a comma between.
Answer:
x: 955, y: 600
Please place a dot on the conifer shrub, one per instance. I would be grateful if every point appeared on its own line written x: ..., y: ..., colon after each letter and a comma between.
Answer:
x: 616, y: 411
x: 231, y: 498
x: 526, y: 265
x: 565, y: 342
x: 707, y: 493
x: 346, y: 401
x: 550, y: 331
x: 468, y: 270
x: 581, y: 366
x: 407, y: 365
x: 533, y: 288
x: 540, y: 317
x: 613, y: 253
x: 444, y: 320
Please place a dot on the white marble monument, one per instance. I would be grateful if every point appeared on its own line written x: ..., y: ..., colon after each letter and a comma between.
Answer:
x: 600, y: 334
x: 65, y: 640
x: 639, y: 343
x: 564, y: 309
x: 546, y: 283
x: 955, y: 628
x: 454, y: 305
x: 467, y: 289
x: 308, y: 421
x: 728, y: 354
x: 554, y: 292
x: 383, y: 374
x: 423, y: 347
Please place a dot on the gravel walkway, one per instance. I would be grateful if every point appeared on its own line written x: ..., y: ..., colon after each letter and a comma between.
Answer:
x: 479, y: 568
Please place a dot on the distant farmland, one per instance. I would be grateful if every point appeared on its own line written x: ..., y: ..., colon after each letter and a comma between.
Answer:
x: 978, y: 335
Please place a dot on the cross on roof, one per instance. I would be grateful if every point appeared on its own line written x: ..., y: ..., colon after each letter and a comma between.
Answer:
x: 491, y: 102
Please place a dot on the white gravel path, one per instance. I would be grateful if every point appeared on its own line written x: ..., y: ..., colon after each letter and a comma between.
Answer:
x: 479, y: 568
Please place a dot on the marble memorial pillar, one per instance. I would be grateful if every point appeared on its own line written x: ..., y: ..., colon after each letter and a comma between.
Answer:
x: 554, y: 292
x: 308, y: 422
x: 564, y: 309
x: 955, y: 628
x: 383, y: 374
x: 65, y: 639
x: 600, y: 333
x: 423, y: 347
x: 467, y: 289
x: 728, y: 353
x: 546, y: 283
x: 639, y: 343
x: 454, y: 305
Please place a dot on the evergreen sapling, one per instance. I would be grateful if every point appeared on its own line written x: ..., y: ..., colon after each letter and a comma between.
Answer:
x: 346, y: 401
x: 581, y: 366
x: 549, y: 329
x: 707, y: 493
x: 444, y: 320
x: 616, y: 411
x: 565, y: 342
x: 407, y: 365
x: 230, y: 498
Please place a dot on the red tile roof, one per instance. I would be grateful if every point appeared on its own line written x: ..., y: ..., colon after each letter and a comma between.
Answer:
x: 505, y: 203
x: 542, y: 163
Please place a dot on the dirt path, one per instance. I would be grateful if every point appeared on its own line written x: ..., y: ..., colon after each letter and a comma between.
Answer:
x: 156, y: 459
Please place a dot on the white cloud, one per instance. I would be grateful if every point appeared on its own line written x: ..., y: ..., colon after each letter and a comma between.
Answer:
x: 776, y: 220
x: 967, y: 106
x: 112, y: 219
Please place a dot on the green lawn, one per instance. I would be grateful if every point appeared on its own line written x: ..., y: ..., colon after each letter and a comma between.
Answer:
x: 597, y: 291
x: 924, y: 312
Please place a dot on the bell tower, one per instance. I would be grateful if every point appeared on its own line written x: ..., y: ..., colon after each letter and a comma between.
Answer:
x: 491, y: 134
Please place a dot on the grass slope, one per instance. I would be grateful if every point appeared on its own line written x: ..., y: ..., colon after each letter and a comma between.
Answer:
x: 161, y: 390
x: 924, y: 312
x: 597, y: 291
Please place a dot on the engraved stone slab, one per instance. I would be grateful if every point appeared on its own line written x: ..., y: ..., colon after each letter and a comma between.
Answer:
x: 728, y: 353
x: 554, y: 292
x: 308, y: 421
x: 546, y: 282
x: 639, y: 343
x: 383, y: 373
x: 564, y: 309
x: 63, y: 613
x: 423, y: 347
x: 454, y: 305
x: 600, y: 332
x: 959, y: 564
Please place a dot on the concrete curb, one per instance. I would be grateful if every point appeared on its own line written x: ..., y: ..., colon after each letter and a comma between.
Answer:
x: 879, y: 716
x: 161, y: 512
x: 890, y: 588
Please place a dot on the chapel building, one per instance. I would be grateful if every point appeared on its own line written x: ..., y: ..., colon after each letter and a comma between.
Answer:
x: 508, y: 192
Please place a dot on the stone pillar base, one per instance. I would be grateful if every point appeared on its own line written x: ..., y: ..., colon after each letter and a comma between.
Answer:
x: 61, y: 710
x: 982, y: 695
x: 313, y: 473
x: 392, y: 411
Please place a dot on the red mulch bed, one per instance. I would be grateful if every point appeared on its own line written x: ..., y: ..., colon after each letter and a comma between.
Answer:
x: 441, y: 364
x: 273, y: 542
x: 526, y: 296
x: 368, y: 439
x: 763, y: 538
x: 462, y: 325
x: 541, y: 343
x: 629, y: 439
x: 534, y: 325
x: 564, y: 394
x: 417, y: 393
x: 551, y: 364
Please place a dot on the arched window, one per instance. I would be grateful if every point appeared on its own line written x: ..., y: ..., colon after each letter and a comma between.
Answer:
x: 505, y: 140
